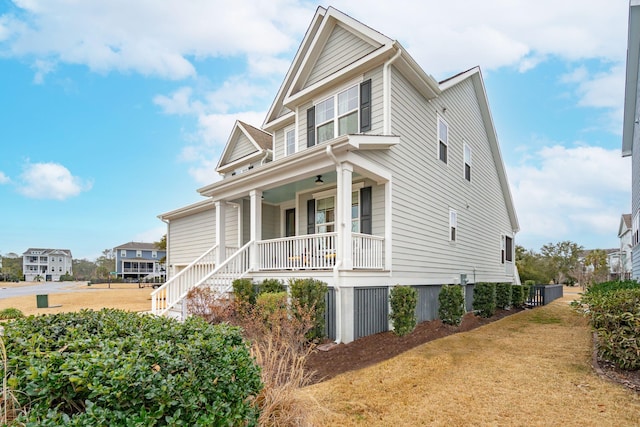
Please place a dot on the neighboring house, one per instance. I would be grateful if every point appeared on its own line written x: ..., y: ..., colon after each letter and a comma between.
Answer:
x: 630, y: 134
x: 624, y: 266
x: 370, y: 174
x: 139, y: 261
x: 46, y: 264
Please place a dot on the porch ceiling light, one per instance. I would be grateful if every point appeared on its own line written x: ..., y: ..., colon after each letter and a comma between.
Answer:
x: 319, y: 180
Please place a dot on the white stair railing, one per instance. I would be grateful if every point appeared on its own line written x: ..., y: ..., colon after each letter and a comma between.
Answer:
x: 166, y: 296
x: 218, y: 277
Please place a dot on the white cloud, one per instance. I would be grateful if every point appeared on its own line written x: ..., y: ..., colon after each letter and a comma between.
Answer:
x: 50, y: 181
x: 4, y: 179
x: 564, y: 193
x: 164, y: 39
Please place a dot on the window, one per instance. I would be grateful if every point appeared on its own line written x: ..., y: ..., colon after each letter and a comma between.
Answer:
x: 289, y: 142
x: 123, y: 253
x: 443, y: 139
x: 154, y: 254
x: 635, y: 229
x: 355, y: 212
x: 325, y: 215
x: 453, y: 225
x: 138, y: 254
x: 346, y: 112
x: 507, y: 249
x: 467, y: 162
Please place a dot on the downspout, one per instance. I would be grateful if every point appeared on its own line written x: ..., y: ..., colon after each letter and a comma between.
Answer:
x: 166, y: 261
x: 336, y: 267
x: 386, y: 87
x: 266, y: 154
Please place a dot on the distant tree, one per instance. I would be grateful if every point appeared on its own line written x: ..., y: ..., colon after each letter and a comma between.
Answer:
x: 597, y: 260
x: 532, y: 266
x: 563, y: 260
x: 162, y: 245
x: 84, y: 269
x: 12, y: 268
x: 106, y: 262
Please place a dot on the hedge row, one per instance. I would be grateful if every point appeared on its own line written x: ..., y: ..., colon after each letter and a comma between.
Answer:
x: 119, y: 368
x: 487, y: 297
x: 614, y: 313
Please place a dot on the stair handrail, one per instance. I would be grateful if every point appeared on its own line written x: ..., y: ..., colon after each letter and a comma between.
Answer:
x: 171, y: 304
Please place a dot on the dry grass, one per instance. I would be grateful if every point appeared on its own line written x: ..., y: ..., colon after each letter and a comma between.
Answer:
x: 532, y: 368
x: 126, y: 296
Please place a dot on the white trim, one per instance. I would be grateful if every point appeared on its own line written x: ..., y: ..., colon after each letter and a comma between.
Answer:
x: 332, y: 192
x: 453, y: 224
x: 288, y: 129
x: 466, y: 146
x: 439, y: 119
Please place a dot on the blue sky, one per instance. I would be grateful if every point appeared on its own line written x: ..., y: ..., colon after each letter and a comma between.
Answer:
x: 112, y: 112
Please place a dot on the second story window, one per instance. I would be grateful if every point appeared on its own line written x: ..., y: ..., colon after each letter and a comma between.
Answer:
x: 453, y: 225
x: 154, y: 254
x: 346, y: 112
x: 467, y: 162
x: 289, y: 142
x: 123, y: 253
x: 443, y: 139
x: 139, y: 254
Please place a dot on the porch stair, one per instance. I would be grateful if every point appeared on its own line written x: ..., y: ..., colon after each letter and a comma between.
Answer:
x: 168, y: 299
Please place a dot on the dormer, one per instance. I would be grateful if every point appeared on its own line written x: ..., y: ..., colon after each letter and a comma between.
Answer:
x: 246, y: 148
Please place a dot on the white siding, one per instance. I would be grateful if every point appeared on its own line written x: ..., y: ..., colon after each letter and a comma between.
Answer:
x: 377, y: 103
x: 424, y: 189
x: 242, y: 147
x: 278, y: 145
x: 341, y: 49
x: 270, y: 222
x: 192, y: 235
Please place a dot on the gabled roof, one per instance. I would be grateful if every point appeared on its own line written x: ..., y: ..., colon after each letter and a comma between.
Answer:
x: 631, y: 84
x: 296, y: 87
x: 260, y: 140
x: 139, y: 246
x: 625, y: 224
x: 475, y: 75
x: 44, y: 251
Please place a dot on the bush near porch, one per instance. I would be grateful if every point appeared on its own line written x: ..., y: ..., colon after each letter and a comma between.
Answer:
x: 119, y: 368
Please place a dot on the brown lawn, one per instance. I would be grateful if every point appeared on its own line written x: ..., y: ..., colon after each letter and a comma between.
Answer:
x: 532, y: 368
x: 126, y: 296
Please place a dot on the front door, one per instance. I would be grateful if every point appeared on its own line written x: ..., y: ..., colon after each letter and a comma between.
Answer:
x: 290, y: 222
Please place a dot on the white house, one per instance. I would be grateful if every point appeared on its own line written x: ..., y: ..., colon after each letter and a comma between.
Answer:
x: 623, y: 268
x: 367, y: 173
x: 46, y: 264
x: 630, y: 134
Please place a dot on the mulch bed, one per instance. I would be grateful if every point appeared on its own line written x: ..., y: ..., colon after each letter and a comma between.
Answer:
x: 376, y: 348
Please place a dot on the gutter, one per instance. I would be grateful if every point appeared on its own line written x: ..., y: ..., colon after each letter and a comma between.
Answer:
x: 386, y: 87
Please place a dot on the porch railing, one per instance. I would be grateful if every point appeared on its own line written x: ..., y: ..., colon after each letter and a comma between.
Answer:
x: 318, y: 251
x: 367, y: 251
x: 202, y: 271
x: 312, y: 251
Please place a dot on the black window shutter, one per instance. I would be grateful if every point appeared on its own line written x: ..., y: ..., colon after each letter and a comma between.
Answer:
x: 311, y: 127
x: 365, y: 210
x: 365, y: 106
x: 311, y: 216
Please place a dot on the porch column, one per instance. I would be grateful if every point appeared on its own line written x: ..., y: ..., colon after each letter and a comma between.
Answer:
x: 256, y: 227
x: 221, y: 235
x: 344, y: 217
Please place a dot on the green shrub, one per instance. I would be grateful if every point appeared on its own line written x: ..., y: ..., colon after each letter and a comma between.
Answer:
x: 503, y: 295
x: 243, y: 291
x: 120, y: 368
x: 272, y: 286
x: 517, y: 296
x: 526, y: 292
x: 484, y: 299
x: 309, y: 295
x: 10, y: 313
x: 451, y: 300
x: 530, y: 282
x: 271, y: 303
x: 403, y: 301
x: 615, y: 315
